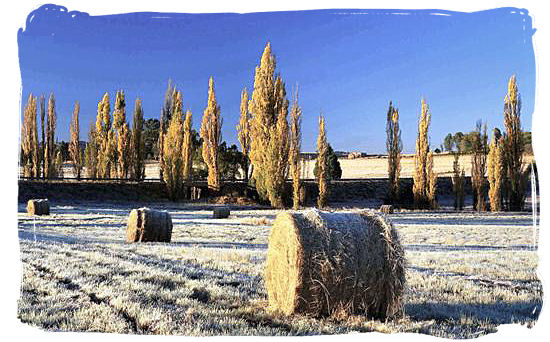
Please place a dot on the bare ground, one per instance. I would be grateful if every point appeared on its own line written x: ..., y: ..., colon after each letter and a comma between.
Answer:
x: 467, y: 273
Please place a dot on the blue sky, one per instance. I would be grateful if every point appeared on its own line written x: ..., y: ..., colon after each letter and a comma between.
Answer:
x: 348, y: 64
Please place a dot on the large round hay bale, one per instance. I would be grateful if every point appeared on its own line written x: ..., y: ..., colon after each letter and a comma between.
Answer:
x: 386, y: 209
x: 38, y: 207
x: 221, y: 212
x: 322, y: 264
x: 147, y: 225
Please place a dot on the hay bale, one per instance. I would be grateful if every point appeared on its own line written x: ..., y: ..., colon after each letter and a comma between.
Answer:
x: 147, y: 225
x: 335, y: 264
x: 386, y: 209
x: 221, y: 212
x: 38, y: 207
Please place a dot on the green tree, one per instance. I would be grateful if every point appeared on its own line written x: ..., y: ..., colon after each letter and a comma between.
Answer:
x: 334, y: 170
x: 150, y: 138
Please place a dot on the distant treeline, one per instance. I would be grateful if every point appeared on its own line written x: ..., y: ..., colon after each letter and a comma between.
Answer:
x: 465, y: 143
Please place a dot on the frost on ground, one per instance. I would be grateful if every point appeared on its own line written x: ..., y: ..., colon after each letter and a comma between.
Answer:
x: 467, y: 273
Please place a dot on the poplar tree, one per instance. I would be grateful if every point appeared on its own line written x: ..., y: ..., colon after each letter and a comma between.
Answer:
x: 165, y: 120
x: 91, y: 152
x: 49, y: 150
x: 43, y: 145
x: 421, y: 186
x: 479, y: 165
x: 211, y: 137
x: 243, y: 132
x: 458, y: 183
x: 172, y: 150
x: 513, y: 146
x: 394, y: 147
x: 187, y: 146
x: 74, y: 144
x: 269, y: 130
x: 295, y: 147
x: 494, y: 173
x: 322, y: 149
x: 29, y: 139
x: 432, y: 181
x: 120, y: 126
x: 137, y: 144
x: 106, y: 139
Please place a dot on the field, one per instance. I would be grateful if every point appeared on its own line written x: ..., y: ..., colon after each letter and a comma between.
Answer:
x: 366, y: 167
x: 467, y: 273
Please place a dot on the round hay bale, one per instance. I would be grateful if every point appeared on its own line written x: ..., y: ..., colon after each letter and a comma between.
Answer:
x: 221, y: 212
x: 147, y: 225
x: 335, y: 264
x: 386, y: 209
x: 38, y: 207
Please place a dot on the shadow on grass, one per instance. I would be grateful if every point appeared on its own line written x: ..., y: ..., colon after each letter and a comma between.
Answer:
x: 495, y: 313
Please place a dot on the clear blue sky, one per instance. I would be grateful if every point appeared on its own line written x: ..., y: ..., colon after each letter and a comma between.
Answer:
x: 348, y: 63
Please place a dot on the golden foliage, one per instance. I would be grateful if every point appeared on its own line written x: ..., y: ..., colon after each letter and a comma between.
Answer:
x: 432, y: 181
x: 172, y: 151
x: 513, y: 147
x: 29, y: 139
x: 211, y: 137
x: 105, y: 138
x: 74, y: 144
x: 494, y: 174
x: 91, y: 152
x: 269, y: 146
x: 394, y: 147
x: 421, y: 186
x: 187, y: 146
x: 49, y: 149
x: 322, y: 155
x: 295, y: 137
x: 123, y: 153
x: 137, y: 143
x: 243, y: 131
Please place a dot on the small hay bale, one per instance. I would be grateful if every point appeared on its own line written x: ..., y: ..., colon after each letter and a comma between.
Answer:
x: 386, y: 209
x: 221, y: 212
x: 38, y: 207
x: 147, y: 225
x: 335, y: 264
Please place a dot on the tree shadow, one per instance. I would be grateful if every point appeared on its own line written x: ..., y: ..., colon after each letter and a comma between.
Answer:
x: 496, y: 313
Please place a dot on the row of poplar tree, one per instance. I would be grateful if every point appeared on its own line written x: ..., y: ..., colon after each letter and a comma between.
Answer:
x: 501, y: 160
x: 270, y: 142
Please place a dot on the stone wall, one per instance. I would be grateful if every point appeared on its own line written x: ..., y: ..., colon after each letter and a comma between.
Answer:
x: 340, y: 191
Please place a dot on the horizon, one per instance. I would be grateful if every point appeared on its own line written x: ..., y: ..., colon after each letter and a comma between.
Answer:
x: 459, y: 62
